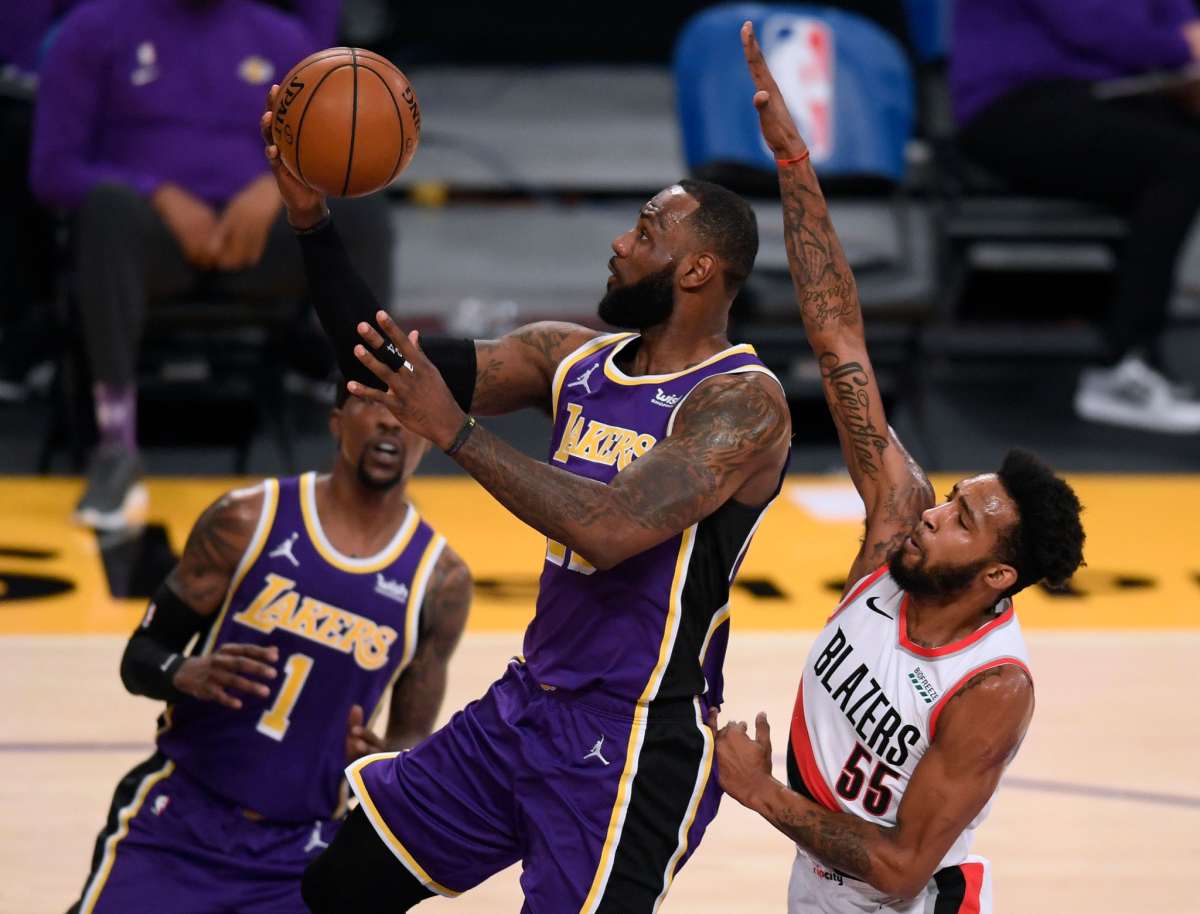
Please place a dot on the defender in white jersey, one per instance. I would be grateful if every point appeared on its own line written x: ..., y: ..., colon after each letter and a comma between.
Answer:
x: 917, y: 693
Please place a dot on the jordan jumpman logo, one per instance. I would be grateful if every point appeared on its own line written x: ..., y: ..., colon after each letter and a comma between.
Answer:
x: 582, y: 380
x: 284, y: 550
x: 595, y: 753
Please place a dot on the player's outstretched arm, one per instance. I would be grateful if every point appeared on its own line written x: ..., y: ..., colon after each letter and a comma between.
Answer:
x: 979, y: 730
x: 730, y: 440
x: 488, y: 377
x: 894, y: 489
x: 183, y: 606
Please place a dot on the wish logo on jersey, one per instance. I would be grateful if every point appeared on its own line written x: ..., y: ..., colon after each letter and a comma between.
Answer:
x: 600, y: 443
x: 278, y: 605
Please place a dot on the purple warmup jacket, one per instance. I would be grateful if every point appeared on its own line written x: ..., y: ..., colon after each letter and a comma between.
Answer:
x: 145, y: 92
x: 1001, y: 45
x: 23, y: 25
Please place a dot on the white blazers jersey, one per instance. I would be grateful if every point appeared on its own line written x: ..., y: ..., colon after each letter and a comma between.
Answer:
x: 870, y: 699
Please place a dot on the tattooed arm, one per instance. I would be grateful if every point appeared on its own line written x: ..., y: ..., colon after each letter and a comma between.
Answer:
x: 730, y: 440
x: 418, y: 693
x: 517, y: 370
x: 216, y: 544
x: 978, y: 732
x: 894, y: 489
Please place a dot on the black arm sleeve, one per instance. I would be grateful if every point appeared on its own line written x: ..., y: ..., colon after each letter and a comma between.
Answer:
x: 154, y: 653
x: 343, y: 300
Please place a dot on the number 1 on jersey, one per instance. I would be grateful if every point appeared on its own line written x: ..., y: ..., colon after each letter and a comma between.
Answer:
x: 274, y: 722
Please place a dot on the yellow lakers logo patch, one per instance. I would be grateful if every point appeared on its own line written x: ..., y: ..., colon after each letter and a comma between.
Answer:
x: 279, y: 606
x: 256, y: 70
x: 600, y: 443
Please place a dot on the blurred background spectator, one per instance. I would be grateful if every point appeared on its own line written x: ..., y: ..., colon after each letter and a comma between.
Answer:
x: 145, y: 132
x: 1021, y: 75
x: 26, y: 227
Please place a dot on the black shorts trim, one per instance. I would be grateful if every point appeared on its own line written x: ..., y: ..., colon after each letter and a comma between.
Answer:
x: 123, y: 796
x: 952, y: 890
x: 674, y: 765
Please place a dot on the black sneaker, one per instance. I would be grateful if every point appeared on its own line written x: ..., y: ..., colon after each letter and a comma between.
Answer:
x: 115, y: 497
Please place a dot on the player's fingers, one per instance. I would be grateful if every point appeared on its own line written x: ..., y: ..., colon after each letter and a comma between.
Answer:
x: 370, y: 335
x: 761, y: 99
x: 356, y: 718
x: 396, y: 335
x: 712, y: 719
x: 368, y: 393
x: 762, y: 729
x: 242, y: 684
x: 220, y: 696
x: 250, y: 667
x: 269, y: 654
x: 377, y: 368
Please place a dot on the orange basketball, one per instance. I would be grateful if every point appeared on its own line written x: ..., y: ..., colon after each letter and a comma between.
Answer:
x: 346, y: 122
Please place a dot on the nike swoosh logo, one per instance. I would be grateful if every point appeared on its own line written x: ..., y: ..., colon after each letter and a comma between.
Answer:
x: 875, y: 609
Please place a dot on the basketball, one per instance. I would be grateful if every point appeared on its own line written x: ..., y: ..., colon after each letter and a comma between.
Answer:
x: 347, y: 122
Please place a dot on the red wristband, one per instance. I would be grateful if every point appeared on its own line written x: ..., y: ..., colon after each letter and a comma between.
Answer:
x: 784, y: 163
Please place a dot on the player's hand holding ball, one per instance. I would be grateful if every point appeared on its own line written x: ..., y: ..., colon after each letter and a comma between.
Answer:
x: 344, y: 122
x: 228, y: 667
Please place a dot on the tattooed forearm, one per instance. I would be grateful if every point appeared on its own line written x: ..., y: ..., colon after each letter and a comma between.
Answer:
x: 839, y: 839
x: 418, y: 693
x: 729, y: 425
x: 824, y: 283
x: 214, y: 548
x: 848, y: 390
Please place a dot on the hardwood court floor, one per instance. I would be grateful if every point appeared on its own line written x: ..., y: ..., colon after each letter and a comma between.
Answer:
x: 1100, y: 812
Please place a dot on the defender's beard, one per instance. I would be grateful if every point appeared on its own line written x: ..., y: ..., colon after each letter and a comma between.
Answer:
x: 930, y: 581
x: 646, y: 303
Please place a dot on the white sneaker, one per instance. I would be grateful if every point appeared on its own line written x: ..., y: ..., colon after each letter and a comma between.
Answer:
x: 1134, y: 395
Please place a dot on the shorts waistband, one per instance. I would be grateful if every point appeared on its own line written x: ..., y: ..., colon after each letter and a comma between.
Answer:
x: 682, y: 709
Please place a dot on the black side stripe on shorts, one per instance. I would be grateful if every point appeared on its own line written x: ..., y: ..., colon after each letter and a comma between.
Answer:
x: 127, y: 788
x: 952, y: 890
x: 669, y: 765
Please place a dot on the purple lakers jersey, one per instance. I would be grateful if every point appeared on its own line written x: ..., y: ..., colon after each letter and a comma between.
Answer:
x: 345, y: 629
x: 656, y: 625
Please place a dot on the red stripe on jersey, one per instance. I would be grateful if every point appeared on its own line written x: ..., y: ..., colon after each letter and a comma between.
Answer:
x: 973, y: 876
x: 981, y: 632
x: 858, y: 589
x: 937, y: 709
x: 805, y: 760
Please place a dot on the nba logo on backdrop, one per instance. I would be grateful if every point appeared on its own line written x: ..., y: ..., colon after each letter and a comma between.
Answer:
x: 799, y: 52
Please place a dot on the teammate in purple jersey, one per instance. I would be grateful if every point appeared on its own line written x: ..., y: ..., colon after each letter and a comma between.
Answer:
x: 951, y: 569
x: 309, y: 600
x: 590, y: 760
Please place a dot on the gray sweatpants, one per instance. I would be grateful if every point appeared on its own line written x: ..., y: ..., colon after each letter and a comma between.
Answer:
x: 126, y: 259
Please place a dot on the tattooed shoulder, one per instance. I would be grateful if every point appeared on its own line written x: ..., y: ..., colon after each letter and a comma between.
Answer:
x: 552, y: 339
x: 216, y: 544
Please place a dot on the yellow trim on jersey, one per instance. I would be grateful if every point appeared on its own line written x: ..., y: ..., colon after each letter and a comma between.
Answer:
x: 722, y: 614
x: 615, y: 374
x: 92, y: 894
x: 693, y: 804
x: 637, y: 730
x: 266, y: 519
x: 360, y: 789
x: 589, y: 348
x: 316, y: 534
x: 412, y: 618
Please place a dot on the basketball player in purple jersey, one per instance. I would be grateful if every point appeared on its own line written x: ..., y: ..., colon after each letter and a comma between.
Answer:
x: 590, y: 760
x: 308, y: 600
x: 917, y: 693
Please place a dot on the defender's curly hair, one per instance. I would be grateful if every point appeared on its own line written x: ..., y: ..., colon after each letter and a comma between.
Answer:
x: 1046, y: 543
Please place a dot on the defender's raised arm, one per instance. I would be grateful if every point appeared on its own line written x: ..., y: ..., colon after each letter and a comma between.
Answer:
x: 894, y: 489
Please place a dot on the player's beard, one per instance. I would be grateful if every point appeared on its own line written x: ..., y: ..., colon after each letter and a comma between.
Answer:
x: 644, y: 304
x: 379, y: 484
x: 925, y: 580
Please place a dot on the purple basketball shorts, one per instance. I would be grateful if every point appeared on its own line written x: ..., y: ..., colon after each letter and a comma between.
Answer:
x: 172, y: 847
x: 602, y: 800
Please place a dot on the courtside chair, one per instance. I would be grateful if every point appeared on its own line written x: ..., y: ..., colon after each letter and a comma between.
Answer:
x: 850, y: 87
